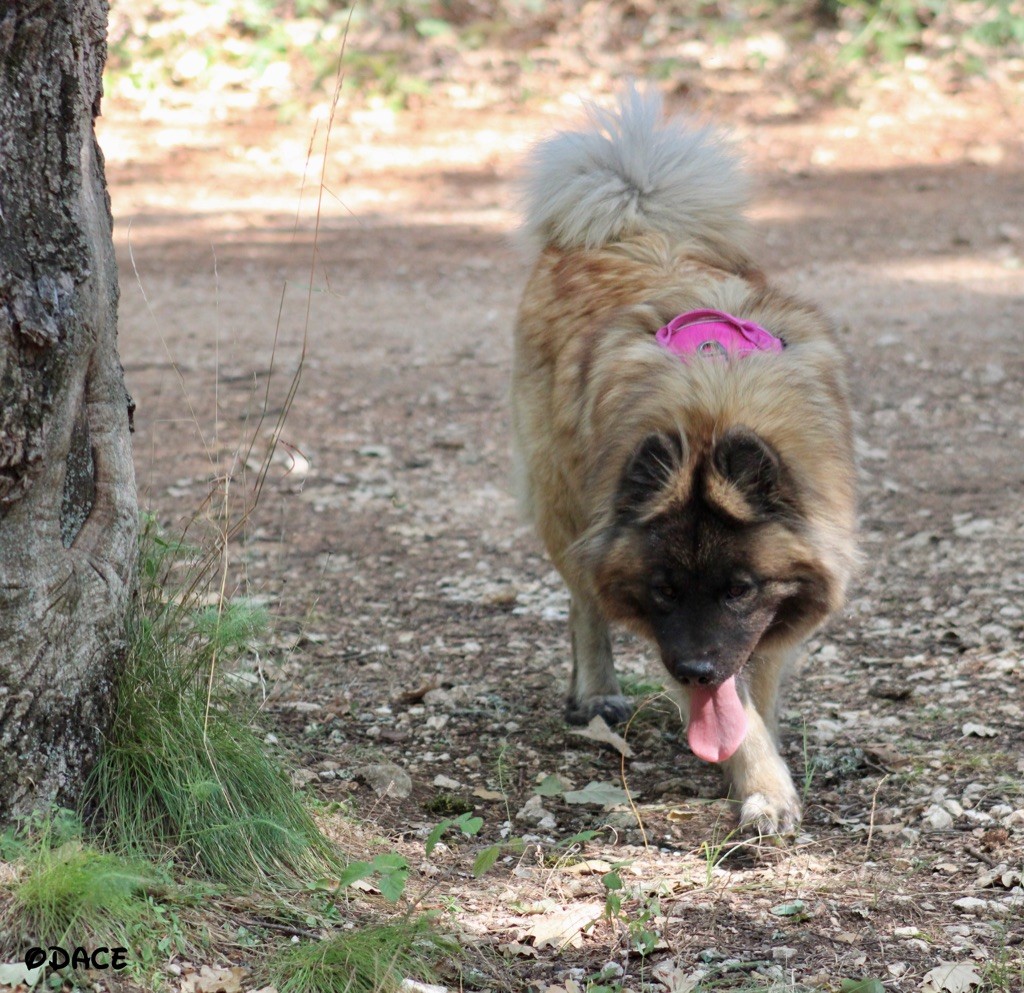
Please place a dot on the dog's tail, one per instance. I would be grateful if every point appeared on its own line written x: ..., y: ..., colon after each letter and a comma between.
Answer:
x: 629, y: 173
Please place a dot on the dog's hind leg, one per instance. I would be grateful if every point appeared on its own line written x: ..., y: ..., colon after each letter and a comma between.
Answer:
x: 595, y: 688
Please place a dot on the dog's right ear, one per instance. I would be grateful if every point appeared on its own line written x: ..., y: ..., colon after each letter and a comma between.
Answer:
x: 650, y: 468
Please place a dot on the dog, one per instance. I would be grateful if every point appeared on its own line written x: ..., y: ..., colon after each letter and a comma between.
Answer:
x: 683, y: 436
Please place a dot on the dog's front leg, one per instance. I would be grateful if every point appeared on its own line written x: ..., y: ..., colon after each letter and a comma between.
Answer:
x: 595, y: 688
x: 759, y: 779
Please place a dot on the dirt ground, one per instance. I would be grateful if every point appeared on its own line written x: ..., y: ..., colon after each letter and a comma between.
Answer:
x: 417, y: 622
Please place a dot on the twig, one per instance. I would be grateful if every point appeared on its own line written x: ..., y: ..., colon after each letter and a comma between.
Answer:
x: 981, y: 856
x: 871, y: 819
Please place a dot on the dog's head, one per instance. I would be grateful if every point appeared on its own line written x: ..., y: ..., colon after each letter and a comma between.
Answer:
x: 704, y: 553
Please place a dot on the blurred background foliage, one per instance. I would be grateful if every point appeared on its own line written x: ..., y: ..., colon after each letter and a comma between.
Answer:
x: 480, y: 52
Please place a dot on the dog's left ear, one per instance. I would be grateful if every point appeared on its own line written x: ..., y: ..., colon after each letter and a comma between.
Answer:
x: 651, y: 467
x: 748, y: 462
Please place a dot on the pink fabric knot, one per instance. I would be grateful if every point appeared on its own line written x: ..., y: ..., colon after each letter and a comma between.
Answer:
x: 713, y: 333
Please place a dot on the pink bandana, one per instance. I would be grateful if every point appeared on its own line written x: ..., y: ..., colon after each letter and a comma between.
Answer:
x: 713, y: 333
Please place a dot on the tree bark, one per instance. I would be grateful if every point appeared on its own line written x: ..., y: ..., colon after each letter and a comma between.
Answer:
x: 68, y: 514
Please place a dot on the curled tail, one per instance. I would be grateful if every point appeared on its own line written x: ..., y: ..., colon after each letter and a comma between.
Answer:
x: 630, y: 173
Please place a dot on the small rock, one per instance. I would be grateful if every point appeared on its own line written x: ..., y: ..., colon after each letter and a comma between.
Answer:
x: 534, y: 812
x: 1008, y: 878
x: 890, y: 689
x: 386, y: 779
x: 972, y: 905
x: 783, y: 953
x: 447, y: 783
x: 448, y: 699
x: 937, y: 818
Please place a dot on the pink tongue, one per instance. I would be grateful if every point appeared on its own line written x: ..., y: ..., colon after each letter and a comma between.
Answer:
x: 717, y: 721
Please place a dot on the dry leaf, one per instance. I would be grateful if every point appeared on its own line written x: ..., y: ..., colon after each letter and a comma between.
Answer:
x: 563, y: 928
x: 588, y: 866
x: 951, y: 977
x: 598, y: 730
x: 886, y: 755
x: 410, y: 697
x: 415, y: 986
x: 212, y: 979
x: 978, y: 730
x: 15, y: 973
x: 484, y: 794
x: 676, y: 978
x: 518, y: 948
x: 599, y: 794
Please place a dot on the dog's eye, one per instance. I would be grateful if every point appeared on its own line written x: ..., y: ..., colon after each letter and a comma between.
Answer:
x: 664, y: 595
x: 740, y: 592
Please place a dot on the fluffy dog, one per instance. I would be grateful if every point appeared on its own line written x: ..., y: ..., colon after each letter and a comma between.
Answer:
x: 683, y: 436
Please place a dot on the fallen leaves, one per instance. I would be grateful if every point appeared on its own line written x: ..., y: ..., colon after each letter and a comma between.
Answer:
x: 676, y: 978
x: 978, y: 730
x: 17, y: 974
x: 214, y: 979
x: 951, y: 977
x: 600, y: 794
x: 564, y: 928
x: 598, y: 730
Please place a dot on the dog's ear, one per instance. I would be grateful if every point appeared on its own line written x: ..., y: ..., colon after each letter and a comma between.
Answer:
x: 650, y: 468
x: 753, y: 467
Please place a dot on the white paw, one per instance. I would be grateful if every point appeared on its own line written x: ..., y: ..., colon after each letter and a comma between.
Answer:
x: 770, y: 813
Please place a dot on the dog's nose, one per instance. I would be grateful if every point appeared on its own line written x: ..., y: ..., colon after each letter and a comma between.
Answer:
x: 694, y: 671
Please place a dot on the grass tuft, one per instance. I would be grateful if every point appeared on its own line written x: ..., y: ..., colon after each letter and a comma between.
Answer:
x: 66, y: 888
x: 371, y: 959
x: 185, y: 773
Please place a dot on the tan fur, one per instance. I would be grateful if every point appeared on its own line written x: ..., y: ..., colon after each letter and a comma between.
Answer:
x: 590, y: 384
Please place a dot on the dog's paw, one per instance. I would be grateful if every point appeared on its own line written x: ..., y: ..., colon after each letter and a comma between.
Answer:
x: 614, y: 709
x: 767, y: 814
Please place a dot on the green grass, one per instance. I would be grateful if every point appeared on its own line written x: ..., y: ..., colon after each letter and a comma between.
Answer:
x: 186, y: 806
x: 68, y: 888
x: 1004, y: 972
x: 185, y: 773
x: 371, y: 959
x: 67, y: 892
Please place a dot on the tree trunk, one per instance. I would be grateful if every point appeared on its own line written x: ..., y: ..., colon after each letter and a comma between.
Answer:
x: 68, y: 515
